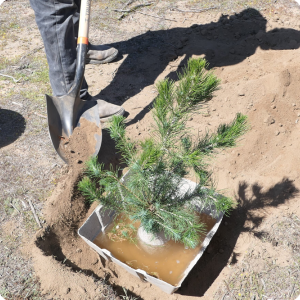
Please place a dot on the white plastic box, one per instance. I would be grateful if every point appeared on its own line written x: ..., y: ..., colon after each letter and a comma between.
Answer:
x: 101, y: 218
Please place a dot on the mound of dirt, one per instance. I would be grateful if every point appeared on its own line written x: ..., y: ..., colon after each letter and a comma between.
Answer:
x: 68, y: 283
x: 59, y: 255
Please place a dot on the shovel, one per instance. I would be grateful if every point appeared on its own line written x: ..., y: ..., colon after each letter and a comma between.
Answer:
x: 66, y: 112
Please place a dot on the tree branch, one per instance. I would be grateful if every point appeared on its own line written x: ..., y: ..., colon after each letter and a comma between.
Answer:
x: 14, y: 79
x: 194, y: 10
x: 139, y: 12
x: 34, y: 213
x: 124, y: 11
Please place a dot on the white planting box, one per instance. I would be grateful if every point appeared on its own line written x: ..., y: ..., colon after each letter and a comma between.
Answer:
x: 101, y: 218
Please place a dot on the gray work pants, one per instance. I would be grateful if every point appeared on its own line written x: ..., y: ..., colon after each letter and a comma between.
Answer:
x: 58, y: 22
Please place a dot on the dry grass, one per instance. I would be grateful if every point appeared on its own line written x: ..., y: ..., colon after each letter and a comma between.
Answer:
x: 261, y: 275
x: 28, y: 163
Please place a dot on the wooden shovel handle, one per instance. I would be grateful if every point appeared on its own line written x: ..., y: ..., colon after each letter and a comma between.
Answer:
x: 84, y: 22
x: 82, y: 46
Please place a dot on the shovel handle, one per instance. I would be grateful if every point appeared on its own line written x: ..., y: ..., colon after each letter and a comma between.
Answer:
x: 84, y: 22
x: 82, y: 48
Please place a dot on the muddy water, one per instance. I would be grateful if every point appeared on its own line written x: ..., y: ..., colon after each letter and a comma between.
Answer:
x: 167, y: 262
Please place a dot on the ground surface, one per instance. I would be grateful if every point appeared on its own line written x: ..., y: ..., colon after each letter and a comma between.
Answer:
x: 254, y: 49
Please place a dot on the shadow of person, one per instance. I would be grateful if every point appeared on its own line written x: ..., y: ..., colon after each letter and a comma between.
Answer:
x: 246, y: 217
x: 226, y: 42
x: 12, y: 126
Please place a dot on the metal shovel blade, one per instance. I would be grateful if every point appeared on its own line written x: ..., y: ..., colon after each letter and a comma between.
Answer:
x: 64, y: 114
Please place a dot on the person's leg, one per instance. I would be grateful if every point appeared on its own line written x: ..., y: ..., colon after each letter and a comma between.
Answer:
x: 76, y: 18
x: 55, y: 19
x: 55, y: 22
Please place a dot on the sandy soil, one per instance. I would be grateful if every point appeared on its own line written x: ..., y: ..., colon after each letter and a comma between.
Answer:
x: 82, y: 143
x: 256, y: 56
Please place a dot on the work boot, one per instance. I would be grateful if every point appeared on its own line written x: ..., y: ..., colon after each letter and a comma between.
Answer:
x: 108, y: 110
x: 100, y: 54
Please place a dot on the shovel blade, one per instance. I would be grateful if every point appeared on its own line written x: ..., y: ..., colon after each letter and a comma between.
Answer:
x: 64, y: 114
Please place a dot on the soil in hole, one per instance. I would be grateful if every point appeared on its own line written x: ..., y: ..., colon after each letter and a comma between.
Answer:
x: 167, y: 262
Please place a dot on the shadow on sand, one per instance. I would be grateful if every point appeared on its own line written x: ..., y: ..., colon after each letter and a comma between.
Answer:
x: 243, y: 218
x: 226, y: 42
x: 12, y: 126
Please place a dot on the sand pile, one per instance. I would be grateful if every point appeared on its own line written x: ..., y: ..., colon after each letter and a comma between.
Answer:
x: 82, y: 144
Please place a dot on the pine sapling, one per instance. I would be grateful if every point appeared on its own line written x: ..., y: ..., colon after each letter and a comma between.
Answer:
x: 152, y: 191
